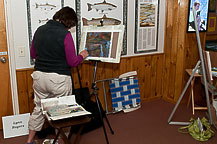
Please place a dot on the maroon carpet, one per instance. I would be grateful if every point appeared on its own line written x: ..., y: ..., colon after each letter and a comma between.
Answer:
x: 147, y: 125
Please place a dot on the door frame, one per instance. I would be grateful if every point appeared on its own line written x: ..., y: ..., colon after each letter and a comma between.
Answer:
x: 11, y: 57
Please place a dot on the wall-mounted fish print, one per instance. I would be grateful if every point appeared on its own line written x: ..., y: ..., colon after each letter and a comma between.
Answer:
x: 46, y: 6
x: 104, y: 6
x: 106, y: 21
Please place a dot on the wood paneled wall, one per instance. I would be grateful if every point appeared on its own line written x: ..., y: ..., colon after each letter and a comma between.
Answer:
x: 160, y: 75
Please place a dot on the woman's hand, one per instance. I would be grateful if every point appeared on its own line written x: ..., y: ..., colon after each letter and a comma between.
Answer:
x: 84, y: 54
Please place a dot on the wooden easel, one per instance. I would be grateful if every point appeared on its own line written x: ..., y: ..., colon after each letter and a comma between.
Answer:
x: 200, y: 62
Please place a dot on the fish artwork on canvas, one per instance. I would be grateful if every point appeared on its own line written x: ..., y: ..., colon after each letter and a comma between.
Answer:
x: 97, y: 21
x: 104, y: 6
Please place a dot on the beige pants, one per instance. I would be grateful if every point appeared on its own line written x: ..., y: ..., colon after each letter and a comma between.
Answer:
x: 47, y: 85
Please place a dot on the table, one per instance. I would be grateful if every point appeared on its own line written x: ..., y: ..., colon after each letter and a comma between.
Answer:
x: 191, y: 96
x: 69, y: 122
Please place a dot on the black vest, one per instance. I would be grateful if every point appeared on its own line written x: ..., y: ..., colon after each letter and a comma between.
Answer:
x: 49, y: 46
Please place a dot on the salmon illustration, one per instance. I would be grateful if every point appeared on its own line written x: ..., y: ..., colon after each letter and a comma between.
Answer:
x: 104, y: 6
x: 106, y: 21
x: 45, y: 6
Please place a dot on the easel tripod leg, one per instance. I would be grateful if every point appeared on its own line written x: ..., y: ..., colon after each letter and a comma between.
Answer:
x: 101, y: 117
x: 203, y: 65
x: 109, y: 124
x: 183, y: 92
x: 94, y: 90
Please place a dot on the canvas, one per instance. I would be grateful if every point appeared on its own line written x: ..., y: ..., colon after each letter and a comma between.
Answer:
x: 103, y: 43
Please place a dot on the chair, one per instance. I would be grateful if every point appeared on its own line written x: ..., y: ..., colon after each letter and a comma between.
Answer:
x: 124, y: 91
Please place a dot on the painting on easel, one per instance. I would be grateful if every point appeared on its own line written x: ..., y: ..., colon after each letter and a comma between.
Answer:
x: 98, y: 43
x: 103, y: 43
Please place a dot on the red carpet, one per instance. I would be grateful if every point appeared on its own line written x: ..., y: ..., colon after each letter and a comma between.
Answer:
x: 147, y: 125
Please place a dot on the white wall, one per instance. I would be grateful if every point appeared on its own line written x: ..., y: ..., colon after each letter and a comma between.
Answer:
x: 17, y: 16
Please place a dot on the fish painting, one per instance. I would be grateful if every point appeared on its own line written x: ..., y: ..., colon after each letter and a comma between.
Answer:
x: 104, y: 6
x: 97, y: 21
x: 46, y: 6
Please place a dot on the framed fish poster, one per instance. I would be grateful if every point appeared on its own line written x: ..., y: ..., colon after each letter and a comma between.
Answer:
x: 102, y: 12
x: 40, y: 11
x: 103, y: 43
x: 149, y: 27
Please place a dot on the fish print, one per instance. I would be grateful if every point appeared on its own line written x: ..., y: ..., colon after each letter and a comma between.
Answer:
x: 97, y: 21
x: 104, y: 6
x: 46, y: 6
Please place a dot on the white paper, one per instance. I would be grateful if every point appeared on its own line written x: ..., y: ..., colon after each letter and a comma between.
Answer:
x: 62, y: 107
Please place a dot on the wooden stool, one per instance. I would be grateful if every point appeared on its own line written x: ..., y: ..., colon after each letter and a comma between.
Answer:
x: 68, y: 122
x: 191, y: 97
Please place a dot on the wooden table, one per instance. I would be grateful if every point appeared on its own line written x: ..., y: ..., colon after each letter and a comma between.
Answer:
x: 191, y: 96
x: 69, y: 122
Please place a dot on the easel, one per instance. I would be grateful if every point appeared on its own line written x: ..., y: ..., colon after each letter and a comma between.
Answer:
x: 201, y: 61
x: 94, y: 90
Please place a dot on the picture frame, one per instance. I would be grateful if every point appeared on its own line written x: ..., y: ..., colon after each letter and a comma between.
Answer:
x: 103, y: 43
x: 149, y: 27
x: 146, y: 23
x: 87, y: 9
x: 212, y: 27
x: 201, y: 7
x: 39, y: 12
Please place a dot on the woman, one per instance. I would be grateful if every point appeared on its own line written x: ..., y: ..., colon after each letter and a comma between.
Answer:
x: 54, y: 53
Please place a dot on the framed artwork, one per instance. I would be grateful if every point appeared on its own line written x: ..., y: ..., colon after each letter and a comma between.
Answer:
x: 212, y: 24
x: 201, y: 8
x: 110, y: 12
x: 149, y: 26
x: 212, y: 27
x: 103, y: 43
x: 38, y: 13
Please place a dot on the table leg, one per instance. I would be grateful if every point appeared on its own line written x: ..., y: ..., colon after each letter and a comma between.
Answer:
x: 192, y: 94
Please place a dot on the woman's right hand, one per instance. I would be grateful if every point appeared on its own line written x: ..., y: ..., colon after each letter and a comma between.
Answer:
x: 84, y: 53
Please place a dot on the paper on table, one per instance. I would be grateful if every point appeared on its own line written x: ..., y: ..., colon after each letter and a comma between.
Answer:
x: 62, y: 107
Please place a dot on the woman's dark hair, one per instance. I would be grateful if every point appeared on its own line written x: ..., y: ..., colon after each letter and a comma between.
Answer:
x: 67, y: 17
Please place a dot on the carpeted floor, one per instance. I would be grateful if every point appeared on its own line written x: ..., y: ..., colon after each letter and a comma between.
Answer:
x: 147, y: 125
